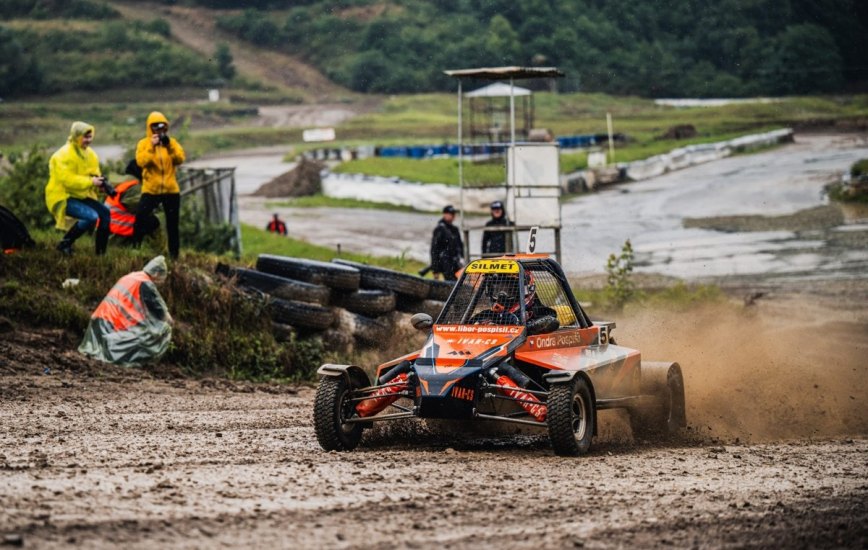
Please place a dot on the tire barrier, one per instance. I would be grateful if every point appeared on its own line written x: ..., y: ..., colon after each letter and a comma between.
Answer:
x: 387, y: 279
x: 369, y: 330
x: 440, y: 290
x: 322, y: 303
x: 366, y: 302
x: 409, y: 305
x: 277, y: 286
x: 333, y: 275
x: 300, y: 314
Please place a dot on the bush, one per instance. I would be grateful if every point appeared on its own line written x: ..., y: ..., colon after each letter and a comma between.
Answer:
x: 619, y: 287
x: 218, y: 329
x: 22, y: 190
x: 859, y: 168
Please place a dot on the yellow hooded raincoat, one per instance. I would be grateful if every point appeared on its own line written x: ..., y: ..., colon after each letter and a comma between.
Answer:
x: 158, y: 162
x: 71, y: 170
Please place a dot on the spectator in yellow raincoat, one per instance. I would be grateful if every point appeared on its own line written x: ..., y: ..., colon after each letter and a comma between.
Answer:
x: 72, y: 186
x: 158, y: 154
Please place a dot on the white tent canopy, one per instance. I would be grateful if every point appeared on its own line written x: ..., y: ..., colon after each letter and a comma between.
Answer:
x: 498, y: 89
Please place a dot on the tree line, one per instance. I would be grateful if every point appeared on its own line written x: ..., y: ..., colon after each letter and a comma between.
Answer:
x: 642, y: 47
x: 651, y: 48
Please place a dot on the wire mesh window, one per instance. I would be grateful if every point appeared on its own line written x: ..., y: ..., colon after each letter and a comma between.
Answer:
x: 550, y: 293
x: 495, y: 298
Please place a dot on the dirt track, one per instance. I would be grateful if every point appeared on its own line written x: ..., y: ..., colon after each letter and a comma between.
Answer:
x: 776, y: 454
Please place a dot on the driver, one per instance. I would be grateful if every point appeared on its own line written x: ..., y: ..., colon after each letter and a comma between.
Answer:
x: 502, y: 290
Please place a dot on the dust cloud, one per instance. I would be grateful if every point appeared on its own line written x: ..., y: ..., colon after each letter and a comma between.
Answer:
x: 784, y: 368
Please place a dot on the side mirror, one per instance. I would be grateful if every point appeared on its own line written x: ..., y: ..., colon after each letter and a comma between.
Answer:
x: 421, y: 321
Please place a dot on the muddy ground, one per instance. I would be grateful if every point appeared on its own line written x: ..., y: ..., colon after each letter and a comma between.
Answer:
x: 776, y: 454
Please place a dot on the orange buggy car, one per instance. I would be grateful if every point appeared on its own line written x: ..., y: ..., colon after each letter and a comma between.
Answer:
x: 511, y: 344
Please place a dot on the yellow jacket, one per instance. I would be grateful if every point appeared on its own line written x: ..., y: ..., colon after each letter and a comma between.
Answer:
x: 71, y: 170
x: 158, y: 162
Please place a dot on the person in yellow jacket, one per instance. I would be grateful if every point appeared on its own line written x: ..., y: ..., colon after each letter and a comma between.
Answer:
x: 71, y: 191
x: 158, y: 154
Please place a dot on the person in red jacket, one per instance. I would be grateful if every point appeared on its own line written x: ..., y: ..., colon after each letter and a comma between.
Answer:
x: 276, y: 225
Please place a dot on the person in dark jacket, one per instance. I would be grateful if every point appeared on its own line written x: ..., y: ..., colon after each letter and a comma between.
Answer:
x: 447, y: 250
x: 497, y: 242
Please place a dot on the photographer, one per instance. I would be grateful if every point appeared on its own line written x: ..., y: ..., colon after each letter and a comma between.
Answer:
x: 74, y: 178
x: 158, y: 154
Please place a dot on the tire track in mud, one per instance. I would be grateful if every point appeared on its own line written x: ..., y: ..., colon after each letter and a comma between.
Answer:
x: 145, y: 462
x: 102, y: 456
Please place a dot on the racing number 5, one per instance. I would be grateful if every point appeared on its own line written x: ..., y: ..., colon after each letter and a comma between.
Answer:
x: 531, y: 240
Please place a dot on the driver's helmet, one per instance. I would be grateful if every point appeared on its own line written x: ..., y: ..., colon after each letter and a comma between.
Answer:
x: 502, y: 289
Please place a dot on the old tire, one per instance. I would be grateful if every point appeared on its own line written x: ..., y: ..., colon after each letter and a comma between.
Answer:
x: 277, y: 286
x: 571, y: 417
x: 300, y: 314
x: 387, y: 279
x: 409, y: 305
x: 310, y: 271
x: 331, y: 408
x: 662, y: 412
x: 368, y: 330
x: 365, y: 302
x: 440, y: 290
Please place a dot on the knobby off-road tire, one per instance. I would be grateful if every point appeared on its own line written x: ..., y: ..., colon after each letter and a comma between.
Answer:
x: 331, y: 408
x: 440, y: 290
x: 277, y: 286
x: 300, y: 314
x: 365, y: 302
x: 571, y: 417
x: 310, y: 271
x: 387, y: 279
x: 662, y: 413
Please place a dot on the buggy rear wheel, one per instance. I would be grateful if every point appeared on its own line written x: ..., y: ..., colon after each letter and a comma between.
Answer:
x: 571, y: 417
x: 332, y: 407
x: 663, y: 412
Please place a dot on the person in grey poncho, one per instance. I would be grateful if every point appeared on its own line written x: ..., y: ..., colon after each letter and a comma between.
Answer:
x: 132, y: 324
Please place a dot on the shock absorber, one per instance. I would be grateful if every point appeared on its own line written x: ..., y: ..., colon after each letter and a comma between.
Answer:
x: 516, y: 381
x: 383, y: 397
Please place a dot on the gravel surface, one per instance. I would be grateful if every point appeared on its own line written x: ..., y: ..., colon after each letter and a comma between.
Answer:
x: 776, y: 454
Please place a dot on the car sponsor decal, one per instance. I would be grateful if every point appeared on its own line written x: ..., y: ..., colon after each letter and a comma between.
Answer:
x: 492, y: 266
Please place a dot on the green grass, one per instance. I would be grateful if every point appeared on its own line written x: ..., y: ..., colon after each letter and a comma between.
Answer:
x: 314, y: 201
x: 678, y: 296
x: 218, y: 330
x: 427, y: 170
x: 257, y: 241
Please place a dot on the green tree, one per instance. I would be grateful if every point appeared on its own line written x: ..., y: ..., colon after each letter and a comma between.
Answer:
x: 501, y: 41
x: 19, y: 72
x: 803, y: 58
x: 225, y: 65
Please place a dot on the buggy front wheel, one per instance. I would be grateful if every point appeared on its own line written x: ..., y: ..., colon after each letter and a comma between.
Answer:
x: 332, y: 408
x: 571, y: 417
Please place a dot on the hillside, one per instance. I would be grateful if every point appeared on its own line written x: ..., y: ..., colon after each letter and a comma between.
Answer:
x: 196, y: 29
x: 316, y: 51
x: 679, y: 48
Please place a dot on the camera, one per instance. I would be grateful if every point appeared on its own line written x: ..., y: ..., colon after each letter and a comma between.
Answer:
x: 164, y: 140
x: 107, y: 187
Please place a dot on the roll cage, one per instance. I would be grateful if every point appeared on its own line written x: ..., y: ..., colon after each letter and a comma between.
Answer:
x: 471, y: 288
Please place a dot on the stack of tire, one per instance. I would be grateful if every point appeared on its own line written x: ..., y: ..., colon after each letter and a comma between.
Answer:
x: 338, y: 297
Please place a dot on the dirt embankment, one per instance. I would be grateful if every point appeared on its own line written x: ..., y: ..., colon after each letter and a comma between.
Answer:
x: 775, y: 455
x: 196, y: 29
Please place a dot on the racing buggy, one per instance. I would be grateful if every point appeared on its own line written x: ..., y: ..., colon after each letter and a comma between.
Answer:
x: 511, y: 345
